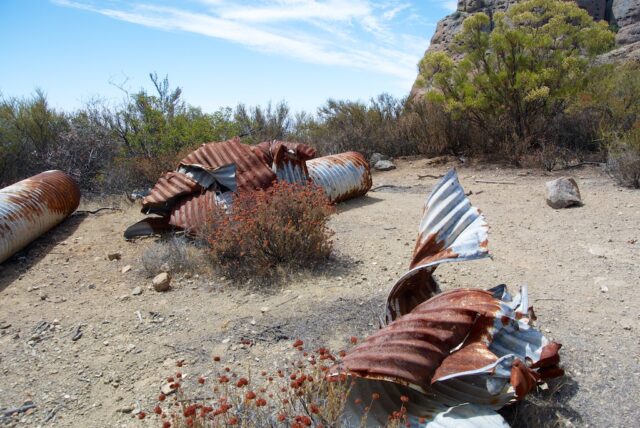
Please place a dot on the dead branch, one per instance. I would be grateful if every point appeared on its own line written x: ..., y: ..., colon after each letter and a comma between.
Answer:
x: 430, y: 176
x: 494, y: 182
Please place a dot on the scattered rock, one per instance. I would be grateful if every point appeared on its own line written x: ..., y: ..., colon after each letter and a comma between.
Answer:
x: 604, y: 289
x: 384, y: 165
x: 162, y: 282
x: 264, y: 309
x: 562, y: 193
x: 126, y: 269
x: 114, y: 256
x: 377, y: 157
x: 137, y: 291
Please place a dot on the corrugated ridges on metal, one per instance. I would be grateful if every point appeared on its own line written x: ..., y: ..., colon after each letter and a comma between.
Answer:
x: 169, y: 187
x: 451, y: 230
x: 32, y: 206
x: 251, y: 172
x: 342, y: 176
x: 411, y: 349
x: 192, y: 212
x: 422, y: 410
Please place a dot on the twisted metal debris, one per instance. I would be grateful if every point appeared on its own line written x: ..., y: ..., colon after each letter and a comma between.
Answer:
x: 32, y: 206
x: 342, y: 176
x: 209, y: 176
x: 458, y: 355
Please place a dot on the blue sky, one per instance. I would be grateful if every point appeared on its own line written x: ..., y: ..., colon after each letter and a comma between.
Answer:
x: 220, y: 52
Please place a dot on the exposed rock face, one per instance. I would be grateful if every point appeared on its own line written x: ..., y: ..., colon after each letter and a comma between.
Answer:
x: 624, y: 14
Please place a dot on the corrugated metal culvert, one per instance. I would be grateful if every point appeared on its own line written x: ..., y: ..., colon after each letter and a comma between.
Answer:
x: 32, y: 206
x: 342, y: 176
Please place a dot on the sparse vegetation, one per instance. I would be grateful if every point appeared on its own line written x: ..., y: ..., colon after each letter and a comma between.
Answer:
x: 174, y: 254
x: 268, y: 232
x: 527, y: 90
x: 302, y: 393
x: 517, y: 75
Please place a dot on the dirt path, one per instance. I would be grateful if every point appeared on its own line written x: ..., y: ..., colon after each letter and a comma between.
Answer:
x: 581, y: 265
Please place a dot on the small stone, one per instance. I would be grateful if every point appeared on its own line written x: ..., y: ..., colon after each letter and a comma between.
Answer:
x: 264, y: 309
x: 384, y: 165
x: 162, y: 282
x: 126, y: 269
x: 114, y: 256
x: 377, y: 157
x: 604, y: 289
x: 166, y: 389
x: 562, y: 193
x: 126, y: 409
x: 136, y: 291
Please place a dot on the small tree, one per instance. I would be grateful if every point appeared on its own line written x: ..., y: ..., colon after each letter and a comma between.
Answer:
x: 519, y: 69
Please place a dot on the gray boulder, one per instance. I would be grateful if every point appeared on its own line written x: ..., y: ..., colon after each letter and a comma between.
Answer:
x: 563, y: 192
x: 377, y: 157
x: 384, y: 165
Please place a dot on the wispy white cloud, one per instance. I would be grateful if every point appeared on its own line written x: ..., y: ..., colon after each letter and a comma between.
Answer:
x: 361, y: 34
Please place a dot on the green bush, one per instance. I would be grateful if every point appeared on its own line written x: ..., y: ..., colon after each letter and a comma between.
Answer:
x: 519, y: 71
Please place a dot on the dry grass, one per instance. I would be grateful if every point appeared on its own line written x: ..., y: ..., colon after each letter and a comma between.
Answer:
x: 175, y: 254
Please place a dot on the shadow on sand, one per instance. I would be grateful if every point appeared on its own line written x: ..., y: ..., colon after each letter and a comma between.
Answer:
x: 12, y: 268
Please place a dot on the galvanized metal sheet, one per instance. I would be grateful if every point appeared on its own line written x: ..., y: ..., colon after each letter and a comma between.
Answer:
x: 286, y: 159
x: 32, y: 206
x: 451, y: 230
x: 251, y: 172
x: 167, y: 189
x: 422, y: 410
x: 342, y: 176
x: 467, y: 351
x: 193, y: 212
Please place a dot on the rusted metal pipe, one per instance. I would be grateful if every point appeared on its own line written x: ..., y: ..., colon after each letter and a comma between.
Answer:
x: 342, y: 176
x: 32, y: 206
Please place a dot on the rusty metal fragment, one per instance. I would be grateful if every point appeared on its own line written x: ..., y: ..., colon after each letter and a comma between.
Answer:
x: 287, y: 160
x: 32, y: 206
x: 187, y: 197
x: 342, y: 176
x: 457, y: 355
x: 451, y: 230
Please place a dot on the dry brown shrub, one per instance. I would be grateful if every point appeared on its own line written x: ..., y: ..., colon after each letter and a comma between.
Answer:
x: 266, y: 232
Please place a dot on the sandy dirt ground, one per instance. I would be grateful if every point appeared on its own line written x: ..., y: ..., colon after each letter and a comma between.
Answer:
x: 582, y: 266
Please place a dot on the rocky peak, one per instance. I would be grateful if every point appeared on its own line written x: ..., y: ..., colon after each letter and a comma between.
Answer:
x: 621, y: 14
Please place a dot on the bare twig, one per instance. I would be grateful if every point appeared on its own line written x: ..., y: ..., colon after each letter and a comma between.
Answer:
x: 578, y: 165
x: 430, y: 176
x: 98, y: 210
x: 495, y: 182
x: 26, y: 406
x: 390, y: 186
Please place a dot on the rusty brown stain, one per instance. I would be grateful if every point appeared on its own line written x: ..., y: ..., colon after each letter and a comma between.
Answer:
x: 33, y: 206
x: 412, y: 348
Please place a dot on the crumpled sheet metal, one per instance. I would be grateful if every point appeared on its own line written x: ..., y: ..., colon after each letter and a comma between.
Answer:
x: 464, y: 347
x: 251, y: 172
x: 186, y: 197
x: 342, y: 176
x: 451, y: 230
x: 422, y: 410
x: 287, y: 160
x: 32, y: 206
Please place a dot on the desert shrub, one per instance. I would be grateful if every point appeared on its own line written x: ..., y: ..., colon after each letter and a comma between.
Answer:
x: 623, y: 161
x: 267, y: 232
x: 519, y: 71
x: 612, y: 95
x: 364, y: 127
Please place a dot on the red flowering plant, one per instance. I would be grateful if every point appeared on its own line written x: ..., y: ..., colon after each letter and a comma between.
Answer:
x: 266, y: 233
x: 303, y: 393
